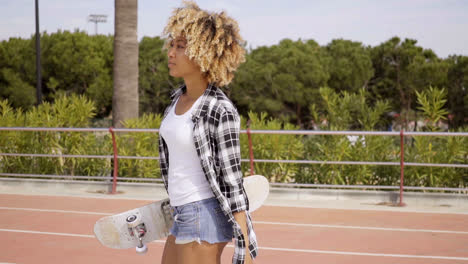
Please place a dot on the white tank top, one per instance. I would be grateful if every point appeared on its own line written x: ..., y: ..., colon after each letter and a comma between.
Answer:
x: 186, y: 180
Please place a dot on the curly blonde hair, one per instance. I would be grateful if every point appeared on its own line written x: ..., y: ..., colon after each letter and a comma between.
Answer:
x: 213, y: 41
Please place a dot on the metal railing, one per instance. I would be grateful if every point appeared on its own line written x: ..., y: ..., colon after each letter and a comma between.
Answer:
x: 115, y: 157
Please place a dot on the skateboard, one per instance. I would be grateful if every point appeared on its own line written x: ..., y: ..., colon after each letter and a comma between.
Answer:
x: 137, y: 227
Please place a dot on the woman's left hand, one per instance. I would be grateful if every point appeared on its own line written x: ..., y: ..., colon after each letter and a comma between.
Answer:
x: 241, y: 218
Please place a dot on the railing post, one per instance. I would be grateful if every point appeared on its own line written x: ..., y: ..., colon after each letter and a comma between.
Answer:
x: 252, y: 172
x: 402, y: 166
x: 116, y: 162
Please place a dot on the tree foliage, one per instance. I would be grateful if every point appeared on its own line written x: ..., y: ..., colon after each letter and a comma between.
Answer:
x: 457, y: 90
x: 282, y: 80
x: 350, y: 65
x: 401, y: 69
x: 155, y: 83
x: 72, y: 63
x: 17, y: 72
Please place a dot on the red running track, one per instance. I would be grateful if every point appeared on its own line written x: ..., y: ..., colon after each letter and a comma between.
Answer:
x: 59, y: 229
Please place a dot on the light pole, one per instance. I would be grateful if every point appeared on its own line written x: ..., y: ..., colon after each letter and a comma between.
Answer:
x: 38, y: 58
x: 97, y: 19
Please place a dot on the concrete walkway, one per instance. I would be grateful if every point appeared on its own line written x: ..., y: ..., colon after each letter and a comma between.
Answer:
x: 291, y: 197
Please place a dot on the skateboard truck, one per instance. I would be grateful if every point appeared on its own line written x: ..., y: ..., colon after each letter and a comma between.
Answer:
x: 138, y: 230
x: 167, y: 209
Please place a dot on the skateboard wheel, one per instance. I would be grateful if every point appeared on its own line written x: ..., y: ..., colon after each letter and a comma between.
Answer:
x: 131, y: 218
x: 133, y: 221
x: 142, y: 250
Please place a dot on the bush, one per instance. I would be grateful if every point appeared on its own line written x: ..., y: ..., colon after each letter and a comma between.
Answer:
x: 343, y: 111
x: 343, y: 148
x: 139, y: 144
x: 274, y: 147
x: 430, y: 149
x: 73, y: 111
x: 349, y: 111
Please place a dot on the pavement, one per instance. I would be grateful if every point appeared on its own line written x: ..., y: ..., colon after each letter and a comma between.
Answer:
x: 447, y: 203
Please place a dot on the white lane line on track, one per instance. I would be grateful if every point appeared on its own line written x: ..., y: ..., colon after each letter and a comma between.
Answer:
x: 266, y: 223
x: 45, y: 233
x: 364, y: 228
x: 54, y: 211
x: 272, y: 248
x: 56, y: 234
x: 363, y: 254
x: 379, y: 208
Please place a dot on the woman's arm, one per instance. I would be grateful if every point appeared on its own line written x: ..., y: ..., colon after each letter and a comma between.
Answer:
x: 229, y: 158
x: 241, y: 219
x: 231, y: 181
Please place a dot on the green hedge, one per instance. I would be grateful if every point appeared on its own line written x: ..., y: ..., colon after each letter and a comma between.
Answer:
x: 338, y: 110
x: 73, y: 111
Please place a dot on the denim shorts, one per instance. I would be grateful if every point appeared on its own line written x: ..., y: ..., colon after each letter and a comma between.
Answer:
x: 201, y: 221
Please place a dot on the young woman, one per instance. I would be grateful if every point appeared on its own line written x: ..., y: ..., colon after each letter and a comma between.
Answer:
x: 199, y: 142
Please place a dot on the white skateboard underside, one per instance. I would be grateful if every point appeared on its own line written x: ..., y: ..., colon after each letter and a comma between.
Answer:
x: 257, y: 188
x: 112, y: 231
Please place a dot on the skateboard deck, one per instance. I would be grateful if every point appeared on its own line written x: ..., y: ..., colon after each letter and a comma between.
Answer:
x: 139, y: 226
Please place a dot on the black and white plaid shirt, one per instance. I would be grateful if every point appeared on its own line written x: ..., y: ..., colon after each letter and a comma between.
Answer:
x: 216, y: 135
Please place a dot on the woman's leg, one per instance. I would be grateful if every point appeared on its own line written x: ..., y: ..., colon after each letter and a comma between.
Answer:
x: 169, y: 254
x: 196, y: 253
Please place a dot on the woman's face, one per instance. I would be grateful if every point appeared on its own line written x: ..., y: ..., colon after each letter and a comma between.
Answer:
x: 179, y: 63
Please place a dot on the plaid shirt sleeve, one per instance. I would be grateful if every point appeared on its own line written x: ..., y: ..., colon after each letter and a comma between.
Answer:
x: 229, y: 159
x: 231, y: 181
x: 163, y: 161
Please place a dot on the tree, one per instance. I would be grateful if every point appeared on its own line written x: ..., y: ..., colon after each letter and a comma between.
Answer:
x: 19, y: 92
x: 282, y: 80
x: 401, y: 69
x: 76, y: 63
x: 125, y: 71
x: 155, y: 83
x: 73, y: 63
x: 350, y: 65
x: 458, y: 90
x: 17, y: 72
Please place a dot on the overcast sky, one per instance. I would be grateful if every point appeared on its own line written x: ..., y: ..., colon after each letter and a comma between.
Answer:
x: 440, y: 25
